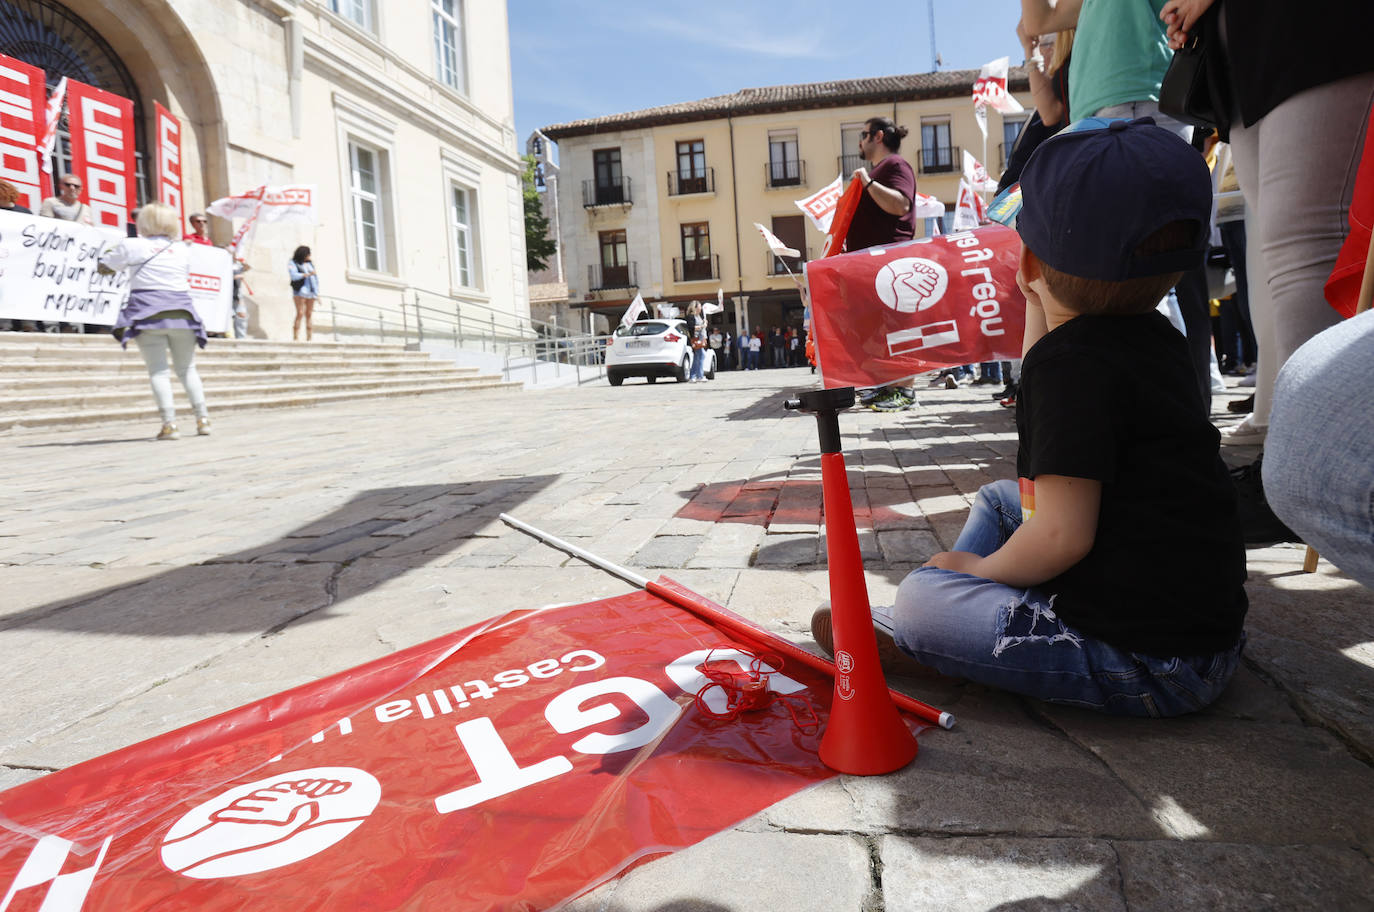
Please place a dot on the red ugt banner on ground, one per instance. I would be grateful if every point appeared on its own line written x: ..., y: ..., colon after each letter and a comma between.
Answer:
x: 22, y: 94
x: 102, y: 127
x: 508, y: 766
x: 887, y: 313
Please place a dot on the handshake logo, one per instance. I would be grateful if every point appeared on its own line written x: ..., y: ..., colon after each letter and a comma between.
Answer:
x: 911, y: 284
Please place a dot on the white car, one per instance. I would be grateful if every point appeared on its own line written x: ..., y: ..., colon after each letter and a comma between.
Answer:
x: 653, y: 349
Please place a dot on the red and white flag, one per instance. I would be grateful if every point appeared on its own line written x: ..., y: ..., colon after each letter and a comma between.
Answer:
x: 990, y: 91
x: 888, y: 313
x: 928, y: 206
x: 52, y: 119
x: 169, y: 159
x: 971, y: 211
x: 21, y: 126
x: 102, y: 128
x: 976, y: 175
x: 636, y: 310
x: 820, y: 206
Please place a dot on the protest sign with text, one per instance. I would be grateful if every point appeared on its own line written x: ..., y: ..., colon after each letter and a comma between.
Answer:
x: 47, y: 272
x: 888, y: 313
x: 511, y: 765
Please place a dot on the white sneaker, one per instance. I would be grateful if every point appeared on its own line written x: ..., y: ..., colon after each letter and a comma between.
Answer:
x: 1247, y: 433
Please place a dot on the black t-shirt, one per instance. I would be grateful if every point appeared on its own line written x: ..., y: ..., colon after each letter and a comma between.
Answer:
x: 1115, y: 399
x: 872, y: 226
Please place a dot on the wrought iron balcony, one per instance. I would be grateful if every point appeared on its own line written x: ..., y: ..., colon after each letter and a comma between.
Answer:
x: 683, y: 184
x: 941, y: 159
x: 849, y: 164
x: 784, y: 173
x: 606, y: 194
x: 775, y: 265
x: 603, y: 278
x: 702, y: 269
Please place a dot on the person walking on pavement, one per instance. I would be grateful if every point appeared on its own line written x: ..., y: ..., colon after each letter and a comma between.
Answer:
x: 160, y: 316
x: 305, y: 291
x: 696, y: 338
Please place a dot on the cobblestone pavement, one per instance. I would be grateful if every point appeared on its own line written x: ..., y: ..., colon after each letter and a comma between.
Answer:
x: 147, y: 585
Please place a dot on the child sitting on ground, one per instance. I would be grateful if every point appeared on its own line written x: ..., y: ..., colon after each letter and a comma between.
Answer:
x: 1114, y: 581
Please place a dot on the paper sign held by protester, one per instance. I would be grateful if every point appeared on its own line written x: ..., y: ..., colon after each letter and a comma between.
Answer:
x: 888, y: 313
x: 511, y: 765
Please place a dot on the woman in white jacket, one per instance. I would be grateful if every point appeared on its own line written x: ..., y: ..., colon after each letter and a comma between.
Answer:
x: 159, y: 315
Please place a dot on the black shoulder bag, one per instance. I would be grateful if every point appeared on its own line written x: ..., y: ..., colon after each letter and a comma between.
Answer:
x: 1195, y: 89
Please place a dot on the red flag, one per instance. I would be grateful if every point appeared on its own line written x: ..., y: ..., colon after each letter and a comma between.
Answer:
x: 22, y: 95
x: 888, y: 313
x: 169, y: 160
x: 511, y: 765
x: 844, y: 214
x: 102, y: 128
x: 1343, y: 287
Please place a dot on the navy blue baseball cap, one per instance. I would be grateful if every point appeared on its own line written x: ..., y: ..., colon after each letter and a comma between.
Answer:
x: 1098, y: 188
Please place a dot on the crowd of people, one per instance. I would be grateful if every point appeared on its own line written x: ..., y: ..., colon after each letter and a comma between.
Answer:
x: 1111, y: 575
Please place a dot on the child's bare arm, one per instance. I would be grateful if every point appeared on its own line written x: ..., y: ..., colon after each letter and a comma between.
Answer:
x: 1057, y: 536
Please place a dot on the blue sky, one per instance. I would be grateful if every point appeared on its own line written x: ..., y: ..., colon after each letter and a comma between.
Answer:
x: 584, y: 58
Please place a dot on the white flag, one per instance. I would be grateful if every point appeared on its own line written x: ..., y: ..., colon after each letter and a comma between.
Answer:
x: 719, y: 307
x: 636, y: 309
x: 990, y: 88
x: 289, y: 203
x: 820, y: 207
x: 51, y: 121
x: 774, y: 244
x: 976, y: 174
x: 970, y: 211
x: 928, y: 206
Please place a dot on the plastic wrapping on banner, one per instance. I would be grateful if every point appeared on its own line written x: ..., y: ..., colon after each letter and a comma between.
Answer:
x: 884, y: 314
x: 512, y: 765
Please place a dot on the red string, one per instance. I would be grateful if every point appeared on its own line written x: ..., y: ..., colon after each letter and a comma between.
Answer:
x: 747, y: 691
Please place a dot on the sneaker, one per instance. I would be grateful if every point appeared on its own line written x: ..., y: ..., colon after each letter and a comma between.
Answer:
x: 1247, y: 433
x: 950, y: 382
x: 1242, y: 406
x: 168, y: 432
x: 203, y: 427
x: 1008, y: 390
x: 1259, y: 524
x: 896, y: 400
x: 866, y: 396
x: 890, y: 655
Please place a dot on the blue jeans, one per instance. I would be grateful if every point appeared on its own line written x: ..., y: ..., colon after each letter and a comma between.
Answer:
x: 1318, y: 471
x: 698, y: 364
x: 753, y: 359
x: 1011, y: 638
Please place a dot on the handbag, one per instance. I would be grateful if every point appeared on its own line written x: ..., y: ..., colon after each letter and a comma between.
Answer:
x: 1195, y: 89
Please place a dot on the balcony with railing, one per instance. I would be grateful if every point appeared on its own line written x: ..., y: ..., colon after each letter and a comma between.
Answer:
x: 849, y: 164
x: 940, y: 159
x: 1003, y: 151
x: 701, y: 269
x: 684, y: 184
x: 784, y: 174
x: 776, y: 265
x: 607, y: 278
x: 595, y: 193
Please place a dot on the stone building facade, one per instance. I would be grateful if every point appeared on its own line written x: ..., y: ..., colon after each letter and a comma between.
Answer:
x: 662, y: 202
x: 399, y: 111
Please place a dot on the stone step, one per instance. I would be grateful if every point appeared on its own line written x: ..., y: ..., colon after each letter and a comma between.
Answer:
x: 147, y: 412
x: 136, y: 377
x: 94, y: 340
x: 113, y: 353
x: 103, y: 399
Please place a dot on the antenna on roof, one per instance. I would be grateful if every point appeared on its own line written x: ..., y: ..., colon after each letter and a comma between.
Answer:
x: 935, y: 61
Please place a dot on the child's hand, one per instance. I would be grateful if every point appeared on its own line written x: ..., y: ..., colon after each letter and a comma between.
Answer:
x: 958, y: 561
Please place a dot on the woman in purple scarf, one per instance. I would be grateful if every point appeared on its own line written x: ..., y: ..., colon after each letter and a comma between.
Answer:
x: 159, y: 315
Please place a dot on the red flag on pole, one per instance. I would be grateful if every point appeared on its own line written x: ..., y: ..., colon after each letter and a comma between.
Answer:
x: 844, y: 214
x: 514, y: 764
x: 888, y: 313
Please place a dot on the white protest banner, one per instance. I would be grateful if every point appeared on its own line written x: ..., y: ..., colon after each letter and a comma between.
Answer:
x: 21, y: 127
x: 636, y: 310
x: 976, y: 174
x: 242, y: 205
x: 928, y: 206
x: 820, y: 206
x: 293, y: 203
x: 971, y: 211
x: 47, y: 272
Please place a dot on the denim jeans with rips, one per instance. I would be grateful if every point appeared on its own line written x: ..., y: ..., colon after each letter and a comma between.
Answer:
x: 1011, y: 638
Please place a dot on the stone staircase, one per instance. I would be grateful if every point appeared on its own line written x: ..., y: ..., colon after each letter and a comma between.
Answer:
x: 67, y: 379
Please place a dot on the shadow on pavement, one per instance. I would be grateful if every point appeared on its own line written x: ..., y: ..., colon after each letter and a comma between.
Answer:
x: 268, y: 586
